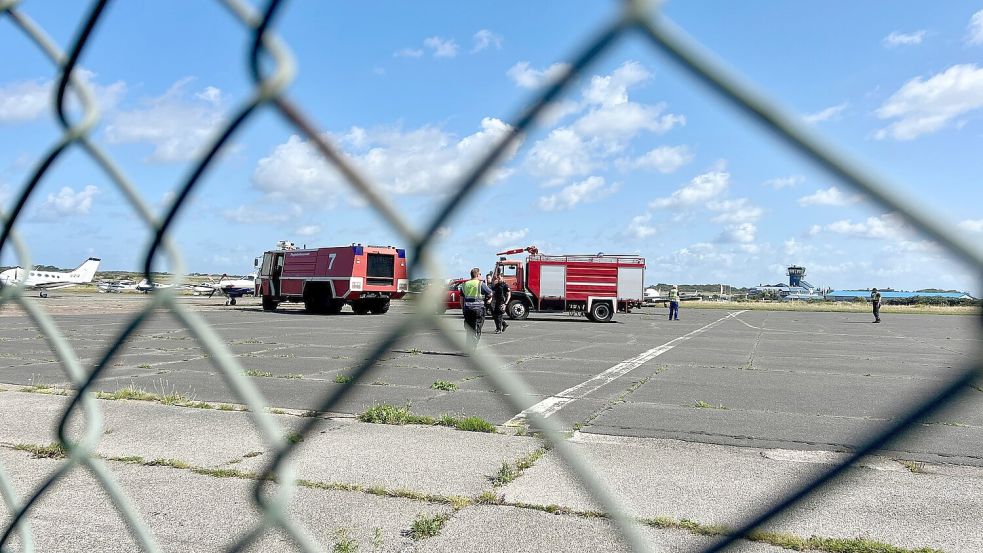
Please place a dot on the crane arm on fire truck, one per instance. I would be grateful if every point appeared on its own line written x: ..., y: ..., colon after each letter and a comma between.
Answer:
x: 533, y: 250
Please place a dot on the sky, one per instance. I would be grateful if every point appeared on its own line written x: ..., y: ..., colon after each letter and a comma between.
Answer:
x: 637, y: 158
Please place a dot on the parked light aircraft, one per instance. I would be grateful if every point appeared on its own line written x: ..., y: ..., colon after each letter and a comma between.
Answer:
x: 49, y: 280
x: 232, y: 288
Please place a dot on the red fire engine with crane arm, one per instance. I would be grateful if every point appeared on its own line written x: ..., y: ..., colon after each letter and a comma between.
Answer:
x: 595, y: 285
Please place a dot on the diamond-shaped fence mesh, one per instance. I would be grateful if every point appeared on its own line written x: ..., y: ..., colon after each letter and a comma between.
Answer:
x: 637, y: 20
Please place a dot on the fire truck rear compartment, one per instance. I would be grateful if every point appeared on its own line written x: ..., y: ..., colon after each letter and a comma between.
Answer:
x: 379, y: 271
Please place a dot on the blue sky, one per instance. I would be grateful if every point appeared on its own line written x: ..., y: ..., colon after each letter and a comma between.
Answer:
x: 637, y: 158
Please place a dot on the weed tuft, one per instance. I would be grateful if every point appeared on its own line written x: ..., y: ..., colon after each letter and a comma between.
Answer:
x: 258, y: 374
x: 344, y: 542
x: 427, y: 526
x: 173, y: 463
x: 704, y: 405
x: 54, y: 450
x: 444, y: 385
x: 475, y: 424
x: 343, y: 379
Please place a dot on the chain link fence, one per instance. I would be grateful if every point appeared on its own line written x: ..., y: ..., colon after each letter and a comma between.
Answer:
x: 636, y: 20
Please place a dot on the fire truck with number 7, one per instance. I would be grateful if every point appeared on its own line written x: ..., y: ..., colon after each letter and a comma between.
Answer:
x: 327, y: 279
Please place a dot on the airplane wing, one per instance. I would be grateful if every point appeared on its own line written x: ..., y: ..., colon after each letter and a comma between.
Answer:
x: 50, y: 285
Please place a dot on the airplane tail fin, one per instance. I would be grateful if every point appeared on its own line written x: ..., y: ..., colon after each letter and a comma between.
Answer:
x: 86, y: 270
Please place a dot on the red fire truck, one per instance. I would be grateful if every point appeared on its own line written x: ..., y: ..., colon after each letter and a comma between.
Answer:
x: 326, y: 279
x: 594, y: 285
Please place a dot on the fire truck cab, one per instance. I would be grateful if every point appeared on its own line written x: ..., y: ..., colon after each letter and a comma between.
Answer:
x: 327, y: 279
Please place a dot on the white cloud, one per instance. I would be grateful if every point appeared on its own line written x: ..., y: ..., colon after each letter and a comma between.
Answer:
x: 639, y: 227
x: 420, y: 161
x: 308, y: 230
x: 743, y: 233
x: 251, y: 216
x: 972, y: 225
x: 24, y: 100
x: 607, y: 123
x: 831, y: 196
x: 441, y: 47
x: 587, y: 191
x: 664, y: 159
x: 975, y: 29
x: 784, y: 182
x: 830, y: 113
x: 701, y: 188
x: 505, y: 238
x: 889, y: 226
x: 408, y: 53
x: 612, y: 90
x: 29, y: 100
x: 561, y: 155
x: 525, y: 76
x: 793, y: 247
x: 177, y: 124
x: 735, y: 211
x: 68, y: 202
x: 484, y: 39
x: 623, y: 121
x: 903, y: 39
x: 924, y: 106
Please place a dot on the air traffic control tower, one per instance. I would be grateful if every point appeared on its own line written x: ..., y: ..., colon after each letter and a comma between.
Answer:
x: 795, y: 274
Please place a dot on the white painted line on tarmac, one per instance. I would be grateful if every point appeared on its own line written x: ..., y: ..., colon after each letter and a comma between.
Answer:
x: 554, y: 403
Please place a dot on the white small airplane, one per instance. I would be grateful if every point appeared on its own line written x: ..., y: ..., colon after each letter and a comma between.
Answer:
x: 232, y: 288
x: 38, y: 279
x: 147, y: 287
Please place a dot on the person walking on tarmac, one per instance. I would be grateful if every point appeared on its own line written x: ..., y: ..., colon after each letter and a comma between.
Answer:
x: 875, y: 300
x: 474, y: 294
x: 674, y: 303
x: 501, y: 294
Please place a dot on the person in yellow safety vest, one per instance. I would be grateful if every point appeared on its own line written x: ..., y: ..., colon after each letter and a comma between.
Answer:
x: 474, y: 295
x: 875, y: 300
x: 674, y: 303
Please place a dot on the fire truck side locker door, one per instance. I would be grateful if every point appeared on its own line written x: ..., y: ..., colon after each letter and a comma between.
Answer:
x: 553, y: 282
x: 630, y: 283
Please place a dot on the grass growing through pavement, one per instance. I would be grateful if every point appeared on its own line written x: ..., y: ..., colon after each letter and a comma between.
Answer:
x: 444, y: 385
x: 258, y: 374
x: 53, y: 450
x: 427, y: 526
x: 913, y: 466
x: 343, y: 379
x: 387, y: 413
x: 704, y: 405
x: 344, y: 542
x: 509, y: 472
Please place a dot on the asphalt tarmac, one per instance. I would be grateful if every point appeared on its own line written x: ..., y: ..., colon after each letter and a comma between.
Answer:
x: 792, y: 380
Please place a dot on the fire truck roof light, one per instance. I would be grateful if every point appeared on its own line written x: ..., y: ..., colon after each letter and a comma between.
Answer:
x: 357, y: 250
x: 401, y: 254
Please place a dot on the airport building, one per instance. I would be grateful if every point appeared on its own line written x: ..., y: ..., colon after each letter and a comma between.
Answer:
x: 799, y: 289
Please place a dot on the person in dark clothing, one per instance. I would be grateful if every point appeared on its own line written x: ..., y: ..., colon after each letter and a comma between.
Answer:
x: 875, y: 300
x: 474, y: 295
x: 501, y: 294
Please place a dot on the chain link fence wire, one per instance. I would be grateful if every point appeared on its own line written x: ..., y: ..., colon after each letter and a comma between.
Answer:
x: 273, y: 491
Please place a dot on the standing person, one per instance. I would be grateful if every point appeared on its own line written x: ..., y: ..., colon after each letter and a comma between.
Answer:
x: 501, y: 294
x: 875, y: 300
x: 674, y: 303
x: 474, y: 293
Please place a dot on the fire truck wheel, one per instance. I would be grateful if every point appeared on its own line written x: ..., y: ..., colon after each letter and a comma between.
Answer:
x: 601, y: 312
x: 333, y: 307
x: 516, y: 309
x: 379, y: 307
x: 360, y: 308
x: 269, y: 304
